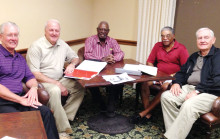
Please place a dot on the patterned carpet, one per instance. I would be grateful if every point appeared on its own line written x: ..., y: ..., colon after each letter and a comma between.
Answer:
x: 153, y: 129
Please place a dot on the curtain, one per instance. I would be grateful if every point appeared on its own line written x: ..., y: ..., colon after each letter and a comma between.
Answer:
x: 153, y: 15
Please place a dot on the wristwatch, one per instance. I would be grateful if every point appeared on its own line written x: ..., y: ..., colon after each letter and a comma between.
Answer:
x: 197, y: 91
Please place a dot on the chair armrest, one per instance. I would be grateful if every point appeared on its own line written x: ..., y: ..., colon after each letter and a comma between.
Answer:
x: 43, y: 96
x: 216, y: 107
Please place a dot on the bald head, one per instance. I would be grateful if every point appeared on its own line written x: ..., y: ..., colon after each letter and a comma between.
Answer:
x: 52, y: 31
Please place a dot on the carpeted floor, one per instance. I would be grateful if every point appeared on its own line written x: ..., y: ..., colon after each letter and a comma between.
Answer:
x: 153, y: 129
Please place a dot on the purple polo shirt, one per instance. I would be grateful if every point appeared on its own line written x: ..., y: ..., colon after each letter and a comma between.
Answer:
x: 13, y: 70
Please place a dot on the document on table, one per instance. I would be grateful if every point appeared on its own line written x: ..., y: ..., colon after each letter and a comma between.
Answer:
x: 144, y: 68
x: 87, y: 70
x: 7, y: 137
x: 119, y: 78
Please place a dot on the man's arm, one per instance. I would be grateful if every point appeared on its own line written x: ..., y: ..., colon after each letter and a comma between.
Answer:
x: 70, y: 68
x: 89, y: 49
x: 184, y: 55
x: 44, y: 79
x: 150, y: 64
x: 6, y: 94
x: 117, y: 52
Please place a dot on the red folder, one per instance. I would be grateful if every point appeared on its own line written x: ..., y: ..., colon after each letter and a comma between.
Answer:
x: 82, y: 74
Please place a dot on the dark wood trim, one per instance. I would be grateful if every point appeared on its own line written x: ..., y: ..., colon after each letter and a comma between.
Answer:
x: 82, y: 40
x: 120, y: 41
x: 22, y: 51
x: 75, y: 42
x: 127, y: 42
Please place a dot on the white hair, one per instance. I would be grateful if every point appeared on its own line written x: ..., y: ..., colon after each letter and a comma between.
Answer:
x: 205, y: 28
x: 9, y: 23
x: 52, y: 20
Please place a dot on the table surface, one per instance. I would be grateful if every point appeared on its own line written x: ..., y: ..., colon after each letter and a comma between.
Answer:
x: 22, y: 125
x: 110, y: 70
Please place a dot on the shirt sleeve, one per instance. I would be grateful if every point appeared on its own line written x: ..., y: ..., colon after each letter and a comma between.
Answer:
x: 28, y: 74
x: 184, y: 55
x: 117, y: 52
x: 153, y: 55
x: 88, y: 54
x: 33, y: 58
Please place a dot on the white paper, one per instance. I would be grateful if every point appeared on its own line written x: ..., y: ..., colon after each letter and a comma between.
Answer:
x: 131, y: 67
x: 148, y: 69
x: 144, y: 68
x: 7, y: 137
x: 89, y: 65
x: 117, y: 79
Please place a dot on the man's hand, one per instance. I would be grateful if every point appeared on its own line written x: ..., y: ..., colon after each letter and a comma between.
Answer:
x: 191, y: 94
x: 64, y: 91
x: 175, y: 89
x: 70, y: 68
x: 32, y: 96
x: 109, y: 59
x: 24, y: 102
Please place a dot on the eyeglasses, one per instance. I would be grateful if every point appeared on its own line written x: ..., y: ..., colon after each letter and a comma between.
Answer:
x: 166, y: 36
x: 103, y: 29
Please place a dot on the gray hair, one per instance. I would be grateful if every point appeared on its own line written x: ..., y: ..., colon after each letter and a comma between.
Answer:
x: 51, y: 20
x: 205, y: 28
x: 168, y: 28
x: 9, y: 23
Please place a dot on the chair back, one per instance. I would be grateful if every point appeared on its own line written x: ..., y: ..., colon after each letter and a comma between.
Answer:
x: 81, y: 54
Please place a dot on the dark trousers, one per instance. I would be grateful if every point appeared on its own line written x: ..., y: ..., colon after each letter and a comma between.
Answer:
x: 47, y: 116
x: 113, y: 94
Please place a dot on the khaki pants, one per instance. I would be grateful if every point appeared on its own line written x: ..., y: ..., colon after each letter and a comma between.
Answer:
x: 179, y: 115
x: 67, y: 112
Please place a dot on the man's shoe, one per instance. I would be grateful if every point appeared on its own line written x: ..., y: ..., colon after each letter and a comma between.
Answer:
x: 69, y: 131
x: 135, y: 119
x: 64, y: 135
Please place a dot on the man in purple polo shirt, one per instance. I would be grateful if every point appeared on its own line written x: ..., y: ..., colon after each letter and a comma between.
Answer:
x: 101, y: 47
x: 14, y: 71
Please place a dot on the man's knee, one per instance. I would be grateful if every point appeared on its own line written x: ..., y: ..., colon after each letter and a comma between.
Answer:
x: 54, y: 92
x: 44, y: 110
x: 165, y: 96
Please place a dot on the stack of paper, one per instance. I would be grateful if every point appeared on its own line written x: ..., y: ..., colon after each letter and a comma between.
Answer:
x: 87, y: 70
x: 144, y: 68
x: 117, y: 79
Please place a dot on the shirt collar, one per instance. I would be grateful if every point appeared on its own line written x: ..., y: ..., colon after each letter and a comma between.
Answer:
x: 98, y: 41
x: 6, y: 53
x: 49, y: 45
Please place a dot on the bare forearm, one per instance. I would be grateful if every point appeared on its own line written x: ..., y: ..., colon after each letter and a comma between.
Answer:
x: 32, y: 83
x: 75, y: 61
x: 6, y: 94
x: 150, y: 64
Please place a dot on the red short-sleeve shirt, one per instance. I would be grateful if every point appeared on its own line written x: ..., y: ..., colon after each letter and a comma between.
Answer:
x: 168, y: 62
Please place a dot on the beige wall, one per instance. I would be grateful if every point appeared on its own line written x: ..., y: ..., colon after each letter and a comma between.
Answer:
x: 194, y: 14
x: 78, y: 18
x: 122, y: 16
x: 31, y: 15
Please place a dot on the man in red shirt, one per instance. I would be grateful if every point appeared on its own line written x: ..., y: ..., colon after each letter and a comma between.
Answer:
x: 168, y: 56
